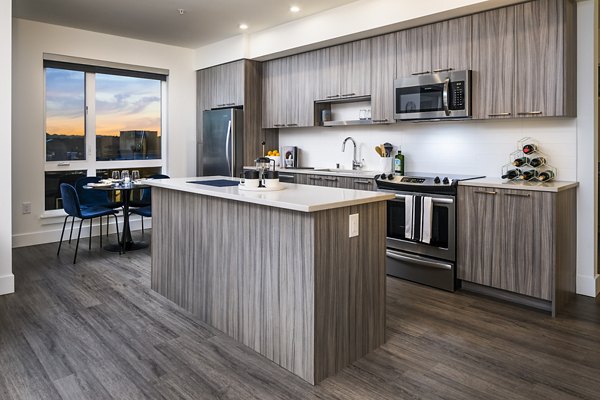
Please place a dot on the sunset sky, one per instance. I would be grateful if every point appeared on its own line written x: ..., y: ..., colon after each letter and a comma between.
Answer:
x: 122, y: 103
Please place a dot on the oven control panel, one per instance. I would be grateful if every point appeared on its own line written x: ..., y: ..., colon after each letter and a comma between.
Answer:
x: 415, y: 180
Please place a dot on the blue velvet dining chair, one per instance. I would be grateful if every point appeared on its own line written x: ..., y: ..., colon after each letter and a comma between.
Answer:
x: 73, y: 208
x: 143, y: 207
x: 93, y: 198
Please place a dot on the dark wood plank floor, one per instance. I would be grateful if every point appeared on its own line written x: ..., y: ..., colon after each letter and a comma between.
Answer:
x: 95, y: 330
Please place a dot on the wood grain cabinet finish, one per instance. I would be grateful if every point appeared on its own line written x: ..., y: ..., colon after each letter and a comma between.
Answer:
x: 383, y: 72
x: 344, y: 70
x: 451, y: 44
x: 414, y: 51
x: 519, y: 241
x: 524, y: 61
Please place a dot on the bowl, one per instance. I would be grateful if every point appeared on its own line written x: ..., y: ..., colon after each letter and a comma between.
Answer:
x: 277, y: 160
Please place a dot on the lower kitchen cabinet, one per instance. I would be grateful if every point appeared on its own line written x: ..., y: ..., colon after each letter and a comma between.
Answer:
x: 519, y: 241
x: 343, y: 182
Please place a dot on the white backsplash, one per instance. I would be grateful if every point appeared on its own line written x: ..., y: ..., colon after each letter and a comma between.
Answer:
x: 458, y: 147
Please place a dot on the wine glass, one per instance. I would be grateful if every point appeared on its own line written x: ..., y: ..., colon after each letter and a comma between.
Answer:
x: 135, y: 175
x: 115, y: 175
x: 125, y: 176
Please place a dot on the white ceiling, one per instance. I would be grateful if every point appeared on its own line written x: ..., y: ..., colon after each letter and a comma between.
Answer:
x: 204, y: 21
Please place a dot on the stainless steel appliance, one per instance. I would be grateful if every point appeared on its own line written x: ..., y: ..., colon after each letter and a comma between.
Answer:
x: 430, y: 263
x: 220, y: 147
x: 290, y: 157
x: 442, y: 95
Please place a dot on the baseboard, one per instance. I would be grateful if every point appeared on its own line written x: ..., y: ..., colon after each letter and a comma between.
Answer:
x: 53, y: 235
x: 7, y: 284
x: 588, y: 285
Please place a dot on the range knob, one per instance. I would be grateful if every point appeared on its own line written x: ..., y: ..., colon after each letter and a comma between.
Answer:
x: 383, y: 176
x: 436, y: 180
x: 391, y: 177
x: 446, y: 181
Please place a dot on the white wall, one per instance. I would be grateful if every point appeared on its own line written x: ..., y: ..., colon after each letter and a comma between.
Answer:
x: 7, y: 284
x: 356, y: 20
x: 30, y: 41
x: 479, y: 148
x: 587, y: 151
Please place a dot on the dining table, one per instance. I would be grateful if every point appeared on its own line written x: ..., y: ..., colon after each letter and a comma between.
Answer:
x: 126, y: 242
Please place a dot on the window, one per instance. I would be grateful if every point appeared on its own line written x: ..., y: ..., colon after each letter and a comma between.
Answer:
x: 100, y: 119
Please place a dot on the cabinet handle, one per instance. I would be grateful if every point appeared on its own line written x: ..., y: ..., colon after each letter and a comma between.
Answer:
x: 518, y: 194
x: 485, y: 192
x: 292, y: 124
x: 375, y: 121
x: 502, y: 114
x: 278, y: 125
x: 331, y: 179
x: 530, y: 113
x: 221, y: 105
x: 286, y: 176
x: 333, y: 96
x: 359, y: 182
x: 443, y: 70
x: 421, y: 73
x: 230, y: 104
x: 349, y: 94
x: 314, y: 178
x: 63, y: 164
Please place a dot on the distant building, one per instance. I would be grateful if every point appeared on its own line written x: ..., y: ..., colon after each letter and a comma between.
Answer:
x: 139, y: 145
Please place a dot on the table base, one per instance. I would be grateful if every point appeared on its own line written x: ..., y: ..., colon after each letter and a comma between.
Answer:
x: 115, y: 248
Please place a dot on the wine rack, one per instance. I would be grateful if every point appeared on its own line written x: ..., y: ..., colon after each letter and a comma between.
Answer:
x: 528, y: 163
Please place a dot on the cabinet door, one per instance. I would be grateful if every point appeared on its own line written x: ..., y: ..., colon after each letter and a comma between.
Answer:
x: 478, y: 239
x: 274, y: 93
x: 526, y: 226
x: 300, y: 87
x: 451, y: 45
x: 329, y: 61
x: 494, y: 63
x: 540, y: 59
x: 383, y: 71
x: 302, y: 179
x: 355, y: 68
x: 413, y: 51
x: 316, y: 180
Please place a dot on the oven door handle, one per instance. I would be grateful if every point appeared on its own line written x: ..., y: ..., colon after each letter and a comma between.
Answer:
x: 445, y: 96
x: 435, y: 200
x: 418, y: 260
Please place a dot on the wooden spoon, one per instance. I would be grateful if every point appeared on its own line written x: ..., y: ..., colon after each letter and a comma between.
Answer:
x: 378, y: 150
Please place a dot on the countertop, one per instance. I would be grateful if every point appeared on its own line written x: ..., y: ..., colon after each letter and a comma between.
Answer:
x: 304, y: 198
x: 552, y: 186
x: 331, y: 171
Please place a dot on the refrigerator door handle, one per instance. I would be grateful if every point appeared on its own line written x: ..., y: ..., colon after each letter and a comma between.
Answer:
x: 228, y: 149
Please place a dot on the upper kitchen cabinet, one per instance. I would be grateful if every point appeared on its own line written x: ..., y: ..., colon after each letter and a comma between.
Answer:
x: 344, y: 71
x: 288, y: 91
x: 432, y: 48
x: 383, y: 71
x: 545, y: 58
x: 524, y: 61
x: 222, y: 85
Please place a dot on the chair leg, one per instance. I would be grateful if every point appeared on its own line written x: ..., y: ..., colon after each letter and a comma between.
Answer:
x: 90, y: 240
x: 71, y: 234
x: 107, y: 224
x: 77, y: 245
x: 118, y: 238
x: 142, y: 217
x: 62, y: 234
x: 101, y: 232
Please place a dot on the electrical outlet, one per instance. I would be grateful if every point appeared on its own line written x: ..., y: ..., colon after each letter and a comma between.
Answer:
x: 353, y: 225
x: 26, y: 207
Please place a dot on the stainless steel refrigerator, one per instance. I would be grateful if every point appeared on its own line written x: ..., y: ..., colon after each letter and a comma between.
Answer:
x: 220, y: 144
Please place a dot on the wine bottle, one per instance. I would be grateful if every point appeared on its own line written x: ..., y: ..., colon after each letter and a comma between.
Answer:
x: 528, y: 174
x: 538, y: 161
x: 546, y: 175
x: 511, y: 174
x: 520, y: 161
x: 529, y: 148
x: 399, y: 163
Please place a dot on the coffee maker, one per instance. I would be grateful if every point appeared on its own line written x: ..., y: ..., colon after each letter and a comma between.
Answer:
x: 290, y: 157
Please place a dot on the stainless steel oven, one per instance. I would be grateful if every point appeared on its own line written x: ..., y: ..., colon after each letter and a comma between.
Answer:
x: 431, y: 263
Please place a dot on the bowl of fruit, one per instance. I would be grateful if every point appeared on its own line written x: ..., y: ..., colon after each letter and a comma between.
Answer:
x: 274, y: 155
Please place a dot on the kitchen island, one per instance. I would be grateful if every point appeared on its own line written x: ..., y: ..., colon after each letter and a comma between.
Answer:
x: 277, y: 271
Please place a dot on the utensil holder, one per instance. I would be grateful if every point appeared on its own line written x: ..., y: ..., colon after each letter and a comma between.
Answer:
x: 386, y: 165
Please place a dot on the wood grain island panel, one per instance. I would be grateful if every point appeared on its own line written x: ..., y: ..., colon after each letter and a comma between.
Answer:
x: 291, y: 285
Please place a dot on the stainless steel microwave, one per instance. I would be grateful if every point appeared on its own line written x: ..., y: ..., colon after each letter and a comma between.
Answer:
x: 443, y: 95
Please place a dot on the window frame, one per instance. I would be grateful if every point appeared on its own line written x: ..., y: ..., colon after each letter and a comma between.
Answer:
x: 90, y: 164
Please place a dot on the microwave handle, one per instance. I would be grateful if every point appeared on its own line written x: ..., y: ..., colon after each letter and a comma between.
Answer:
x: 445, y: 96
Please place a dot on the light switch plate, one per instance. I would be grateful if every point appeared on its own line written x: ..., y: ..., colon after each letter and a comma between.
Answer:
x: 353, y: 225
x: 26, y: 207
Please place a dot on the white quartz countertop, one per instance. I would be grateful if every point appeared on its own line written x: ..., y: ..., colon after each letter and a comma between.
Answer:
x: 359, y: 173
x: 552, y: 186
x: 305, y: 198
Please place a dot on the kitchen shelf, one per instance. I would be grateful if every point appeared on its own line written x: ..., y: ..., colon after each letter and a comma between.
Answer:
x: 349, y: 99
x: 351, y: 122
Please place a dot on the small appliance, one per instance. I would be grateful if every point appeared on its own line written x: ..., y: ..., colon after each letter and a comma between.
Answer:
x: 290, y: 157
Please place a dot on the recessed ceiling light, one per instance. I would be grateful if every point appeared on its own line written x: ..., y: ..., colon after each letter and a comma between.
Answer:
x: 243, y: 26
x: 181, y: 11
x: 294, y: 9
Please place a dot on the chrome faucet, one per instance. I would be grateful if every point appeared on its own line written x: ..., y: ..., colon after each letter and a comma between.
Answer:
x: 355, y: 163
